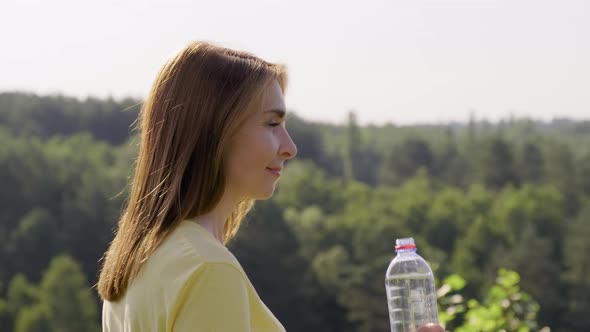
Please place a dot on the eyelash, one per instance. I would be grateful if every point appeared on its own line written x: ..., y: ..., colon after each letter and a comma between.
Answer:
x: 276, y: 124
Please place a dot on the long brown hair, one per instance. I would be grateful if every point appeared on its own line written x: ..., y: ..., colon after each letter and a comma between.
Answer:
x: 196, y: 104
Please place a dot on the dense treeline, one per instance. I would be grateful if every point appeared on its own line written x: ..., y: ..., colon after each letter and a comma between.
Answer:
x: 43, y: 117
x: 477, y: 197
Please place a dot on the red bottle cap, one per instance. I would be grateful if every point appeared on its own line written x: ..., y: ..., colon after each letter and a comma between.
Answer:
x: 406, y: 246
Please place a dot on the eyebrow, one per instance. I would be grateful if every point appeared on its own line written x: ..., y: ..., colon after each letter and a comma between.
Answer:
x: 279, y: 112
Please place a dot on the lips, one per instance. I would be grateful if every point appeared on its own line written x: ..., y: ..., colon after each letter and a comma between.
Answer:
x: 274, y: 171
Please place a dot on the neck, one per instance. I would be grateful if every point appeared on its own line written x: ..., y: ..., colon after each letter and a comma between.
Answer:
x: 214, y: 220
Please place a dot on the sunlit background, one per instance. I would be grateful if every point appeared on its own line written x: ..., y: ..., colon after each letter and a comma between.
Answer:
x: 464, y: 124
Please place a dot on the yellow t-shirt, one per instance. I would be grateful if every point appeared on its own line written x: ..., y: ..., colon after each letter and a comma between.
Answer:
x: 191, y: 282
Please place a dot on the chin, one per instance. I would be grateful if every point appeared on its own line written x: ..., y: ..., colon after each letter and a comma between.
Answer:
x: 264, y: 195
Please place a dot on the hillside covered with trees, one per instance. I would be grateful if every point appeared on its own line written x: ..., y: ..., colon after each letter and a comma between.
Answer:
x: 500, y: 210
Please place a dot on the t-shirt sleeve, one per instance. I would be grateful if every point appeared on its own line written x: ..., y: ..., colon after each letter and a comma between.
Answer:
x: 214, y: 299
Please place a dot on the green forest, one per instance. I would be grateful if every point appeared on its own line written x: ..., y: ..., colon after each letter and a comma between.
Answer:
x: 498, y: 209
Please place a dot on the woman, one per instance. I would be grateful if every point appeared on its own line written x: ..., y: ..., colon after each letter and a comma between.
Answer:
x: 213, y: 140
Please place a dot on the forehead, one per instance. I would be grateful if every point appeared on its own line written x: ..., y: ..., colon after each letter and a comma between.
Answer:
x: 273, y: 98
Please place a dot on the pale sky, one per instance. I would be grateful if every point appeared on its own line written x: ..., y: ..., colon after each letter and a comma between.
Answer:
x: 400, y: 61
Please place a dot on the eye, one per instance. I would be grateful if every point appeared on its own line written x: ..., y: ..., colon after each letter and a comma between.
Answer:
x: 274, y: 124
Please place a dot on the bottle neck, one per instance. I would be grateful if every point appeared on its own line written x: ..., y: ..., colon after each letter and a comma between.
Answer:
x: 405, y: 248
x: 405, y: 251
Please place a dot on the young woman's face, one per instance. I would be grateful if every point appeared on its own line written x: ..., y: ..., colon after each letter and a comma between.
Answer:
x: 257, y: 153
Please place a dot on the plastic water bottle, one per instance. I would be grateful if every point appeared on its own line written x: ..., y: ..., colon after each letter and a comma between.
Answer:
x: 411, y: 295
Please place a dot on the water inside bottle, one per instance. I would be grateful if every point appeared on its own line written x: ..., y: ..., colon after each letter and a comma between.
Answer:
x: 411, y: 299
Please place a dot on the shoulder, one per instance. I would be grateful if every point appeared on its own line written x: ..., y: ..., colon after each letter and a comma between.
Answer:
x: 191, y: 241
x: 214, y: 284
x: 185, y: 254
x: 212, y: 277
x: 214, y: 297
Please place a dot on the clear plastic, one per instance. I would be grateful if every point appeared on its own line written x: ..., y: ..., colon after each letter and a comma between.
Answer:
x: 411, y: 294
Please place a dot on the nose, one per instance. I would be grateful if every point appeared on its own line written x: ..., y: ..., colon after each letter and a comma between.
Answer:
x: 288, y: 149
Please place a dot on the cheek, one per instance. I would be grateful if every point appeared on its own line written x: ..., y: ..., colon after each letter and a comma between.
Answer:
x: 262, y: 148
x: 262, y: 142
x: 253, y: 151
